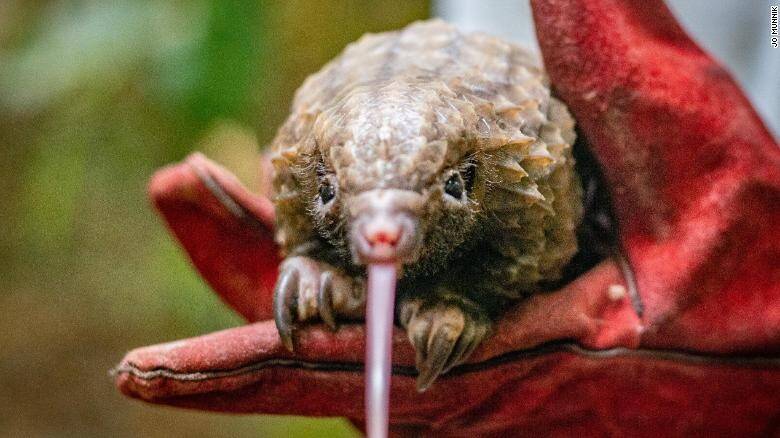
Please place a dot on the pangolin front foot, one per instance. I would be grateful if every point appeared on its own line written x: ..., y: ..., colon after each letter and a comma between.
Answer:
x: 308, y: 289
x: 444, y: 332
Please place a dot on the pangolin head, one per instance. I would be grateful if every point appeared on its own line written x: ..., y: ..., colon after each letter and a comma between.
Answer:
x: 396, y: 172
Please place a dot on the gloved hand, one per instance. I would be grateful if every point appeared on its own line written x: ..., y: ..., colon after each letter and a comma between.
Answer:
x: 695, y: 179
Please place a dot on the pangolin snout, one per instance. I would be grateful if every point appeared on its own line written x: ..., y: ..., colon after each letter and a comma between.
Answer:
x: 384, y: 226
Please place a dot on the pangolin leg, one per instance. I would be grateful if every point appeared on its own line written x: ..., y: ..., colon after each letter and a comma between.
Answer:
x: 444, y: 332
x: 308, y: 289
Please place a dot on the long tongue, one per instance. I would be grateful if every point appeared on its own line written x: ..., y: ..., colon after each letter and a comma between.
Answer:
x: 379, y: 327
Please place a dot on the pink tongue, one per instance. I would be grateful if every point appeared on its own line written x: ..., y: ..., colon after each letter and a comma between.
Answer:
x: 379, y: 327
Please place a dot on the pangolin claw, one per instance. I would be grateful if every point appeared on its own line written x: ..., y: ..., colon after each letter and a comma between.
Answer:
x: 440, y: 347
x: 444, y: 335
x: 325, y: 300
x: 285, y: 303
x: 308, y: 289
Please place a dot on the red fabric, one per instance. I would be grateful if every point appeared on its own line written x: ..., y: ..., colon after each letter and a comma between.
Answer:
x: 695, y: 177
x: 229, y: 240
x: 693, y: 171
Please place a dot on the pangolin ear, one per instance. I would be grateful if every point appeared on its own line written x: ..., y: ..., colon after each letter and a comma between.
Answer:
x: 226, y: 231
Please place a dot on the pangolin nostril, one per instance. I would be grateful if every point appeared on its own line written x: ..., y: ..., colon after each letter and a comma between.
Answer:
x: 384, y: 226
x: 382, y: 232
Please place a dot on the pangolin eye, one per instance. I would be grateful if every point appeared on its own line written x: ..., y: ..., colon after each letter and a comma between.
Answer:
x: 327, y: 192
x: 454, y: 186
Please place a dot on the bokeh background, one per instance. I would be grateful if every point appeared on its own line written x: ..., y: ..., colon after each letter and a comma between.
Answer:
x: 97, y: 94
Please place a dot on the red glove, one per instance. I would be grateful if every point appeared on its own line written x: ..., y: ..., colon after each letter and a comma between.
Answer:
x: 695, y: 179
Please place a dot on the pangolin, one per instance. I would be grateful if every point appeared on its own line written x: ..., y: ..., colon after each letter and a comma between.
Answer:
x: 437, y: 150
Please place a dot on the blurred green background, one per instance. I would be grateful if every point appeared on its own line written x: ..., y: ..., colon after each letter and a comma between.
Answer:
x: 95, y: 95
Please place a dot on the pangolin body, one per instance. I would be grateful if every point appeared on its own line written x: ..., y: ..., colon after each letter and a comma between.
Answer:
x: 407, y: 113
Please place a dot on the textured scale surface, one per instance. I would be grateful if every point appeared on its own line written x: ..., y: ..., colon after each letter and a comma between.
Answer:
x: 396, y: 108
